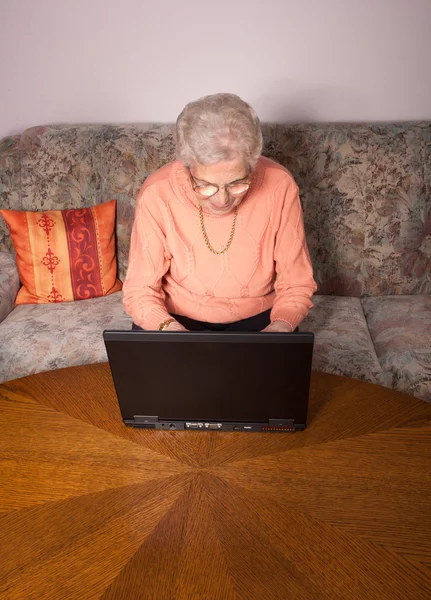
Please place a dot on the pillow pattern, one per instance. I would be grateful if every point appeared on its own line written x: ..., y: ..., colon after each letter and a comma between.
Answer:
x: 64, y: 255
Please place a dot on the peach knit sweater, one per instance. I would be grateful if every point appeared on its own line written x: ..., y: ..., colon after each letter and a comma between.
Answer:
x: 171, y: 269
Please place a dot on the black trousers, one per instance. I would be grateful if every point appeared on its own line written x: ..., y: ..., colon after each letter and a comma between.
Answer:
x: 256, y: 323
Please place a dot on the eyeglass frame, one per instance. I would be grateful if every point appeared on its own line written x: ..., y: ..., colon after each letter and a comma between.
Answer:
x: 226, y: 186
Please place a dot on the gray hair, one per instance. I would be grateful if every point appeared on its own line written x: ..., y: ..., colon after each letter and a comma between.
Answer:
x: 218, y: 127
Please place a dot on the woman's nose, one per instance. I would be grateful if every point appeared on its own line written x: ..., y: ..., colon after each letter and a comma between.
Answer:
x: 224, y: 196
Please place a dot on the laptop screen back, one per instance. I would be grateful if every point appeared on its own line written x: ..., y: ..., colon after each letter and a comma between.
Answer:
x: 214, y: 377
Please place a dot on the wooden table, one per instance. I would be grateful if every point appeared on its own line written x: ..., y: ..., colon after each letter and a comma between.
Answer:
x: 92, y: 509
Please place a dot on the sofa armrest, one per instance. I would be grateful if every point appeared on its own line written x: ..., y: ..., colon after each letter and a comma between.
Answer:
x: 9, y: 283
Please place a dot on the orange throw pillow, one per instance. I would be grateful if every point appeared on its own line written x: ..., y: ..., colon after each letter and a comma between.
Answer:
x: 64, y: 255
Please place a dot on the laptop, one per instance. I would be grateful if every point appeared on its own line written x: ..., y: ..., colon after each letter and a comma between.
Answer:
x: 204, y: 381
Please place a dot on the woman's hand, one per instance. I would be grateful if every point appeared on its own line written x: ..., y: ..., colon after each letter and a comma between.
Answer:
x: 175, y: 326
x: 277, y: 326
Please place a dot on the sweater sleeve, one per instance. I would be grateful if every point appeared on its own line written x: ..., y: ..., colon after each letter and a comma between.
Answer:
x: 144, y: 298
x: 294, y: 283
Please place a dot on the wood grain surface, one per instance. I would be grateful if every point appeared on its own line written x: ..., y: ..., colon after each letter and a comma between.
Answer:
x: 91, y: 509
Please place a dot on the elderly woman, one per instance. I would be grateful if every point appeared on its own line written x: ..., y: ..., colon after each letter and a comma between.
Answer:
x: 218, y: 239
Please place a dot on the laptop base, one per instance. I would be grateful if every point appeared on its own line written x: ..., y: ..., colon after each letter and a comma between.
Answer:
x: 273, y: 426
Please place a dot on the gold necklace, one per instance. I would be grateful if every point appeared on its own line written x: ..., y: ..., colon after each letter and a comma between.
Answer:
x: 229, y: 242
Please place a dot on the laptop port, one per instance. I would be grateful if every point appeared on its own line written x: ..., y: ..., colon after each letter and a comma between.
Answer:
x: 172, y: 426
x: 236, y: 427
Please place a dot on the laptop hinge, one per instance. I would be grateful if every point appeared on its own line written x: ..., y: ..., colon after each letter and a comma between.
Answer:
x: 145, y: 419
x: 281, y: 423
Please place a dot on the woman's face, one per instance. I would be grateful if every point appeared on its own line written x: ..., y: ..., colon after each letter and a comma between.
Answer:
x: 222, y: 173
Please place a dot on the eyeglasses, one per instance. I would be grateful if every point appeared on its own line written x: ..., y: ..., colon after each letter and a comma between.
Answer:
x: 210, y: 189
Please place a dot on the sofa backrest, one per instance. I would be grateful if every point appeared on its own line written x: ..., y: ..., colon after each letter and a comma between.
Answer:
x: 365, y: 190
x: 10, y: 184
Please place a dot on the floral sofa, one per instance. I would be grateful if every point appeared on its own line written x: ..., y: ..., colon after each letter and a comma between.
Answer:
x: 366, y: 194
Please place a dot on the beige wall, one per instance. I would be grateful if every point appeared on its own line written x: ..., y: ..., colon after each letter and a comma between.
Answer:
x: 136, y: 60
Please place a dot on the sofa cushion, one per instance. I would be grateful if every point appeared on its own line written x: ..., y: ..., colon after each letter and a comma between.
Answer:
x: 400, y: 327
x: 41, y: 337
x: 10, y: 184
x: 64, y: 255
x: 342, y: 342
x: 9, y: 283
x: 365, y: 191
x: 398, y: 212
x: 72, y: 166
x: 330, y: 165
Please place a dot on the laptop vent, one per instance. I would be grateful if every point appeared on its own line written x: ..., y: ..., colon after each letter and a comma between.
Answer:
x: 267, y: 428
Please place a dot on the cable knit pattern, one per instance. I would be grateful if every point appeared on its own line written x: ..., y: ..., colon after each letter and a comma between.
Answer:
x: 171, y: 270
